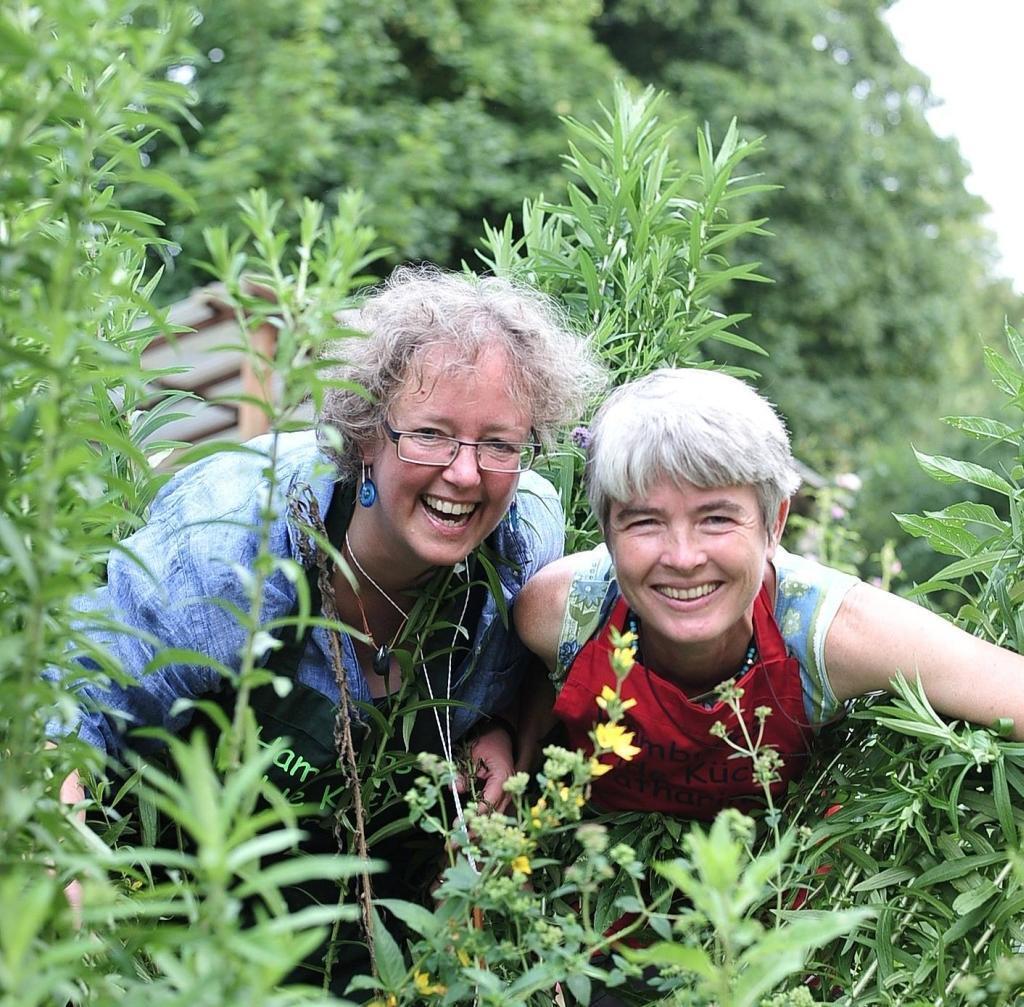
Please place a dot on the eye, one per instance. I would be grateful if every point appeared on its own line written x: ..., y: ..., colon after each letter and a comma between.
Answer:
x: 719, y: 520
x: 640, y: 523
x: 500, y: 449
x: 426, y: 435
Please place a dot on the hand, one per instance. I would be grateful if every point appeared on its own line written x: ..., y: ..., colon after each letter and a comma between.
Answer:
x: 491, y: 758
x: 72, y: 793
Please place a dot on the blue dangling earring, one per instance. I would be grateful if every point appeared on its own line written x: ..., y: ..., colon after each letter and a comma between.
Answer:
x: 513, y: 516
x: 367, y: 488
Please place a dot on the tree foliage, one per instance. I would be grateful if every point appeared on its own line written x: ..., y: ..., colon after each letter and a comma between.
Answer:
x: 441, y: 112
x: 879, y: 261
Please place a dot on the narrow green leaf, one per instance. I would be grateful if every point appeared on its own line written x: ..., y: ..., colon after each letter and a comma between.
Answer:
x: 885, y: 879
x: 950, y: 870
x: 974, y: 897
x: 1004, y: 807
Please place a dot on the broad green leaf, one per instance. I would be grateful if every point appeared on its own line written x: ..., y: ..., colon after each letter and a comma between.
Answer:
x: 1004, y: 376
x: 982, y: 427
x: 666, y: 954
x: 950, y: 470
x: 943, y: 536
x: 390, y: 963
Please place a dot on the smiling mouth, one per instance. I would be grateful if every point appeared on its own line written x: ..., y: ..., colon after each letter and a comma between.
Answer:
x: 688, y: 593
x: 448, y: 511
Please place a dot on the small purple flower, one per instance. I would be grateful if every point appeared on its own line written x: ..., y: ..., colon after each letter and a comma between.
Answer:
x: 838, y: 513
x: 581, y: 437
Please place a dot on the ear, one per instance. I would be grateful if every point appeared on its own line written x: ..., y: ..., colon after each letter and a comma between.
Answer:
x: 775, y: 532
x: 368, y: 451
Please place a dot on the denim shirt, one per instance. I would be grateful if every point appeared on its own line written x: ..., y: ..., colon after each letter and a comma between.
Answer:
x: 174, y: 582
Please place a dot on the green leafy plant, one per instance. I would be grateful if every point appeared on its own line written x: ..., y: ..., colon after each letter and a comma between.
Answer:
x: 636, y: 252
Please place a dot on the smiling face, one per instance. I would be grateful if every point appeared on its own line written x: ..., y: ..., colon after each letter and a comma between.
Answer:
x: 435, y: 516
x: 690, y: 562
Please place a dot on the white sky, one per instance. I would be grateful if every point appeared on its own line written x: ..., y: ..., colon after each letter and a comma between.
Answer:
x: 971, y: 50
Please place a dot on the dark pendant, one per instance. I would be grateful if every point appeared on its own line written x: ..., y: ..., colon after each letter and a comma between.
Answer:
x: 382, y: 661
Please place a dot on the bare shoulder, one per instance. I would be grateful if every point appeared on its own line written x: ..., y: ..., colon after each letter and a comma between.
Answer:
x: 540, y: 607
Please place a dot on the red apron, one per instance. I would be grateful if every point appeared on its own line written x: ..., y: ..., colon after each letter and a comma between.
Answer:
x: 683, y: 769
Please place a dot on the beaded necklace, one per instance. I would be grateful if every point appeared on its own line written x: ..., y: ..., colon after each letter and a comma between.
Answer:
x: 633, y: 625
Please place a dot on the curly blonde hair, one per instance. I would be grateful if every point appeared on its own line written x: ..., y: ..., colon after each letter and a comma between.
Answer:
x: 420, y: 311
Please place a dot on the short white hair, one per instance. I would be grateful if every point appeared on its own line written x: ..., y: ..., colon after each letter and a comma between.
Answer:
x: 688, y: 425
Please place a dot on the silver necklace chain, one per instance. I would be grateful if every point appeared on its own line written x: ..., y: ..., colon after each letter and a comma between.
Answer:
x: 359, y: 566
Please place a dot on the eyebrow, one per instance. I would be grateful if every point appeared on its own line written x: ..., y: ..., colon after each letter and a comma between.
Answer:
x: 723, y: 503
x: 718, y: 504
x: 500, y: 431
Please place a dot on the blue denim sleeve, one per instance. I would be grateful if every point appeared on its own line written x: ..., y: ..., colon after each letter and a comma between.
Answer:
x: 541, y: 521
x: 178, y: 583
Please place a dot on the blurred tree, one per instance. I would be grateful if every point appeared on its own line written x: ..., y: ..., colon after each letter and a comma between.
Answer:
x: 879, y: 261
x: 442, y: 112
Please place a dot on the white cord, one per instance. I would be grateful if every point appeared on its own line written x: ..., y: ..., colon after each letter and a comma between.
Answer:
x: 445, y: 733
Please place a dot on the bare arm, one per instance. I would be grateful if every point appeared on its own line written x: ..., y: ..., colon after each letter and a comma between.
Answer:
x: 876, y: 636
x: 537, y: 614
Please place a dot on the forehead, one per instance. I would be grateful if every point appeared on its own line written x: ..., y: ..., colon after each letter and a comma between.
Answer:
x: 667, y: 496
x: 443, y: 384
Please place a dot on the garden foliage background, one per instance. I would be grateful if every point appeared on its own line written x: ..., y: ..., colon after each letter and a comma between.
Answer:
x: 132, y: 131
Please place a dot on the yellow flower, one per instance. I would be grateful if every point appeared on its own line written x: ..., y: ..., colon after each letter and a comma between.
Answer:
x: 463, y: 956
x: 522, y: 865
x: 535, y: 812
x: 599, y: 768
x: 608, y: 694
x: 424, y: 986
x: 623, y: 660
x: 390, y: 1001
x: 616, y: 738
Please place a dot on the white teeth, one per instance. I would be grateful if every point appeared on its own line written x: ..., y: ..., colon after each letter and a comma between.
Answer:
x: 689, y: 593
x: 448, y: 506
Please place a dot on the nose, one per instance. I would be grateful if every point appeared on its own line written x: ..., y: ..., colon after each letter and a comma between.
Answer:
x: 463, y: 470
x: 684, y: 550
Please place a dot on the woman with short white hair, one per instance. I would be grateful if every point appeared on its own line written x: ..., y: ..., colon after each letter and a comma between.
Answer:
x: 690, y: 476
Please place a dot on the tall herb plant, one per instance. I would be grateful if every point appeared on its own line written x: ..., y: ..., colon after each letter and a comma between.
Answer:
x: 636, y: 251
x: 919, y: 818
x: 84, y: 88
x: 81, y: 92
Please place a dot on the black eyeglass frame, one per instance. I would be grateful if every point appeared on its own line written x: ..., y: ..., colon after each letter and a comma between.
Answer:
x: 525, y: 461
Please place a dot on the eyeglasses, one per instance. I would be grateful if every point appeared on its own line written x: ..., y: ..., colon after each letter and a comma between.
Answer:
x: 441, y: 450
